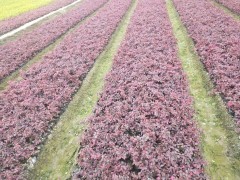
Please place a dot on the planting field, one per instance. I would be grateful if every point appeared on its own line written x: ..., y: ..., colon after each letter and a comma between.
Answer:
x: 130, y: 89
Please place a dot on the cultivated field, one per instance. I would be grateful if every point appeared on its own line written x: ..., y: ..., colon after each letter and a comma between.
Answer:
x: 110, y: 89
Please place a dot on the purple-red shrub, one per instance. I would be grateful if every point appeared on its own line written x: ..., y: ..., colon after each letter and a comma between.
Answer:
x: 29, y: 107
x: 233, y: 5
x: 16, y: 53
x: 217, y: 41
x: 143, y: 126
x: 15, y: 22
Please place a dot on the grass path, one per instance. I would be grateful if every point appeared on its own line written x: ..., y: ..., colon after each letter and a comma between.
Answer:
x: 11, y: 8
x: 16, y: 75
x: 58, y: 156
x: 219, y: 143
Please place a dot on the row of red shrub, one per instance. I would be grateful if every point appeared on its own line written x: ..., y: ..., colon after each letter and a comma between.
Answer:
x: 233, y: 5
x: 29, y: 107
x: 15, y: 22
x: 143, y: 126
x: 217, y: 40
x: 17, y: 52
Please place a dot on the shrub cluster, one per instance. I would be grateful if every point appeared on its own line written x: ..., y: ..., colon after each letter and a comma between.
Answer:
x: 17, y: 52
x: 28, y: 108
x: 233, y: 5
x: 143, y: 127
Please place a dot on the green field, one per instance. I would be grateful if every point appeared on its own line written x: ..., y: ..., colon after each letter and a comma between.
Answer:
x: 10, y: 8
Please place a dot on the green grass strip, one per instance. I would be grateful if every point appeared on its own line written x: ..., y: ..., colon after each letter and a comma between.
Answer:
x: 228, y: 11
x: 219, y: 143
x: 58, y: 157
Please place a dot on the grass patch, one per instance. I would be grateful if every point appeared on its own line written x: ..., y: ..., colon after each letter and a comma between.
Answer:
x: 219, y: 143
x: 58, y: 156
x: 10, y: 8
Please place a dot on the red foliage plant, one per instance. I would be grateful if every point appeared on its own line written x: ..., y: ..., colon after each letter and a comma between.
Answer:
x: 30, y: 106
x: 142, y: 127
x: 17, y: 52
x: 233, y: 5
